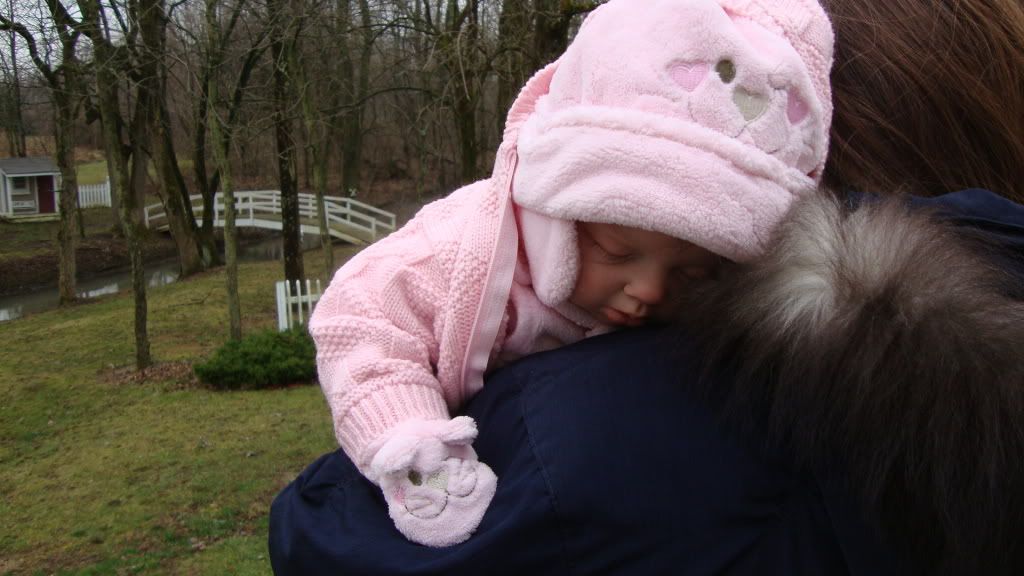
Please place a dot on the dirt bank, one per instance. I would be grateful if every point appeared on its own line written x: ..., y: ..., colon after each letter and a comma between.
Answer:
x: 96, y: 255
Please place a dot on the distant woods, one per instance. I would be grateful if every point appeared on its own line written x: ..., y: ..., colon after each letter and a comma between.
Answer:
x: 339, y: 94
x: 380, y: 99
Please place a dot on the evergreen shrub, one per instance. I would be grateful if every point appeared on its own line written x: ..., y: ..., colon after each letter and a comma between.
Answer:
x: 261, y: 360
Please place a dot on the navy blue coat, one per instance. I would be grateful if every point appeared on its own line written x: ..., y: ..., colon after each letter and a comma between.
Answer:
x: 608, y: 464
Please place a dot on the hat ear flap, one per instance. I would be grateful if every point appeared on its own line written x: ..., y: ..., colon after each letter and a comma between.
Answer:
x: 552, y: 254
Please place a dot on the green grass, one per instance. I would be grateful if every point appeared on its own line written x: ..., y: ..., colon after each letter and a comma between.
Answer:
x: 24, y: 239
x: 92, y: 172
x: 103, y: 476
x: 96, y: 172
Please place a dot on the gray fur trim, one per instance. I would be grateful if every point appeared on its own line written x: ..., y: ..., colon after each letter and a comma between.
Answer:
x: 883, y: 343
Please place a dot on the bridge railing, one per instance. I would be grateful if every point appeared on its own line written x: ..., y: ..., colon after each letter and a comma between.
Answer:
x: 251, y: 204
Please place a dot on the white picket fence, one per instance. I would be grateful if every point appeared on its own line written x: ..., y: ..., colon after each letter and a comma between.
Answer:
x: 91, y: 195
x: 295, y: 303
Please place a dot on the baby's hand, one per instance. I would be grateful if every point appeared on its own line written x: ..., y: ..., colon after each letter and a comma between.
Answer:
x: 436, y: 489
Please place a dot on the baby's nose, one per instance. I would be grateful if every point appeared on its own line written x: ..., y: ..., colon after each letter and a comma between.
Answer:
x: 648, y: 288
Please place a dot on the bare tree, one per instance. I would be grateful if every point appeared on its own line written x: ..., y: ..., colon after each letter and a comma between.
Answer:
x: 221, y: 154
x: 105, y: 61
x: 355, y: 87
x: 65, y: 82
x: 318, y: 139
x: 510, y: 60
x: 155, y: 132
x: 457, y: 40
x: 14, y: 120
x: 213, y: 68
x: 285, y: 24
x: 552, y: 22
x: 220, y: 135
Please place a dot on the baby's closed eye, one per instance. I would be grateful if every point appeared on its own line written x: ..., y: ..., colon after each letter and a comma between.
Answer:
x: 614, y: 255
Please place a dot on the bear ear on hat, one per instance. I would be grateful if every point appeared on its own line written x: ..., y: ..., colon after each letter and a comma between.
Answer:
x: 526, y: 102
x: 538, y: 85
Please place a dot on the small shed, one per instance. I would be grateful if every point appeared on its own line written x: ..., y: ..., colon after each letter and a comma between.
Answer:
x: 28, y: 186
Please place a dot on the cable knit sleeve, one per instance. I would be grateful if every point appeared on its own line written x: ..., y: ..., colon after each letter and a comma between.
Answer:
x: 376, y: 331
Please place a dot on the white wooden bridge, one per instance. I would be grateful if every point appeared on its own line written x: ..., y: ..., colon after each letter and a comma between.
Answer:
x: 347, y: 219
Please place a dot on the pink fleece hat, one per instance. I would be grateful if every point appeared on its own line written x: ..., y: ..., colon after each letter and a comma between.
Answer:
x: 701, y: 119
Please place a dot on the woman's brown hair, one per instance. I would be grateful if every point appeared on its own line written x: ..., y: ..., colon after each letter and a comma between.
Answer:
x: 929, y: 96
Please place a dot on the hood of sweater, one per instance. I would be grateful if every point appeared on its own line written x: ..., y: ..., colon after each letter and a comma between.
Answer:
x: 700, y: 119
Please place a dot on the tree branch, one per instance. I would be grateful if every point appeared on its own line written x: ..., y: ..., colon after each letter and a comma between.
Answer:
x: 570, y: 8
x: 33, y: 50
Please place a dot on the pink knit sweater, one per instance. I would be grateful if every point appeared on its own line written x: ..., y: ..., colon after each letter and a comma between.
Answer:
x: 406, y: 328
x: 701, y: 119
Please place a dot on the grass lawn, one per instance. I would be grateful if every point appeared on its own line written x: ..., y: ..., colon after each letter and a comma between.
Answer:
x: 96, y: 172
x: 29, y: 238
x: 103, y: 476
x: 92, y: 172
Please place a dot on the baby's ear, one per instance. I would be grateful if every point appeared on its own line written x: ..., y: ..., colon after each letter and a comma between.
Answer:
x: 460, y: 431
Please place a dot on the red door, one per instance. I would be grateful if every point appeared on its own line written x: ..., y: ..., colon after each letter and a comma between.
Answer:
x: 44, y: 192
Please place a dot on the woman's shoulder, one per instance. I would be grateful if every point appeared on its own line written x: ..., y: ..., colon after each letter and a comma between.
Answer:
x: 638, y: 474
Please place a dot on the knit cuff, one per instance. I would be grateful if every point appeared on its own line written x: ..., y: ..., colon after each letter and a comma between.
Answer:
x: 377, y: 413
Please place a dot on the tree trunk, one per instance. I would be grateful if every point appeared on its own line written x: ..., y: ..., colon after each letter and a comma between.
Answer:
x: 203, y: 114
x: 317, y: 146
x: 468, y: 96
x: 221, y: 153
x: 200, y: 119
x: 357, y: 89
x: 459, y: 44
x: 218, y: 36
x: 67, y: 236
x: 106, y: 94
x: 17, y: 129
x: 179, y: 214
x: 465, y: 118
x: 550, y: 32
x: 65, y: 85
x: 230, y: 236
x: 115, y: 194
x: 284, y: 29
x: 128, y: 209
x: 552, y: 19
x: 153, y: 100
x: 351, y: 125
x: 320, y: 186
x: 140, y: 138
x: 513, y: 29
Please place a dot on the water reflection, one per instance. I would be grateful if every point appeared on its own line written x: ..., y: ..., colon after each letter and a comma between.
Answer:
x: 16, y: 306
x: 11, y: 312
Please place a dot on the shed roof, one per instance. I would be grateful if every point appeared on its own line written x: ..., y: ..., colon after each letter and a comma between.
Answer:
x: 19, y: 166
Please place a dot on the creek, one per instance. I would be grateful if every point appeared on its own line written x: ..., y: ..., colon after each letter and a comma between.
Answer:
x: 157, y: 274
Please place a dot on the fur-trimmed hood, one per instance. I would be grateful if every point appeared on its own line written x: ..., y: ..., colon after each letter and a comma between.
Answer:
x: 884, y: 344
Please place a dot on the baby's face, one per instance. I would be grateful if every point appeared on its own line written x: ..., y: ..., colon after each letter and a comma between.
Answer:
x: 627, y: 275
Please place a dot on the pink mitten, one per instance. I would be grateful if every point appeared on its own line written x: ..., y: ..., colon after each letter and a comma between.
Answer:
x: 436, y: 489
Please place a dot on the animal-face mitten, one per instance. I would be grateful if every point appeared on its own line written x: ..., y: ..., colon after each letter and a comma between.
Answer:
x: 436, y: 489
